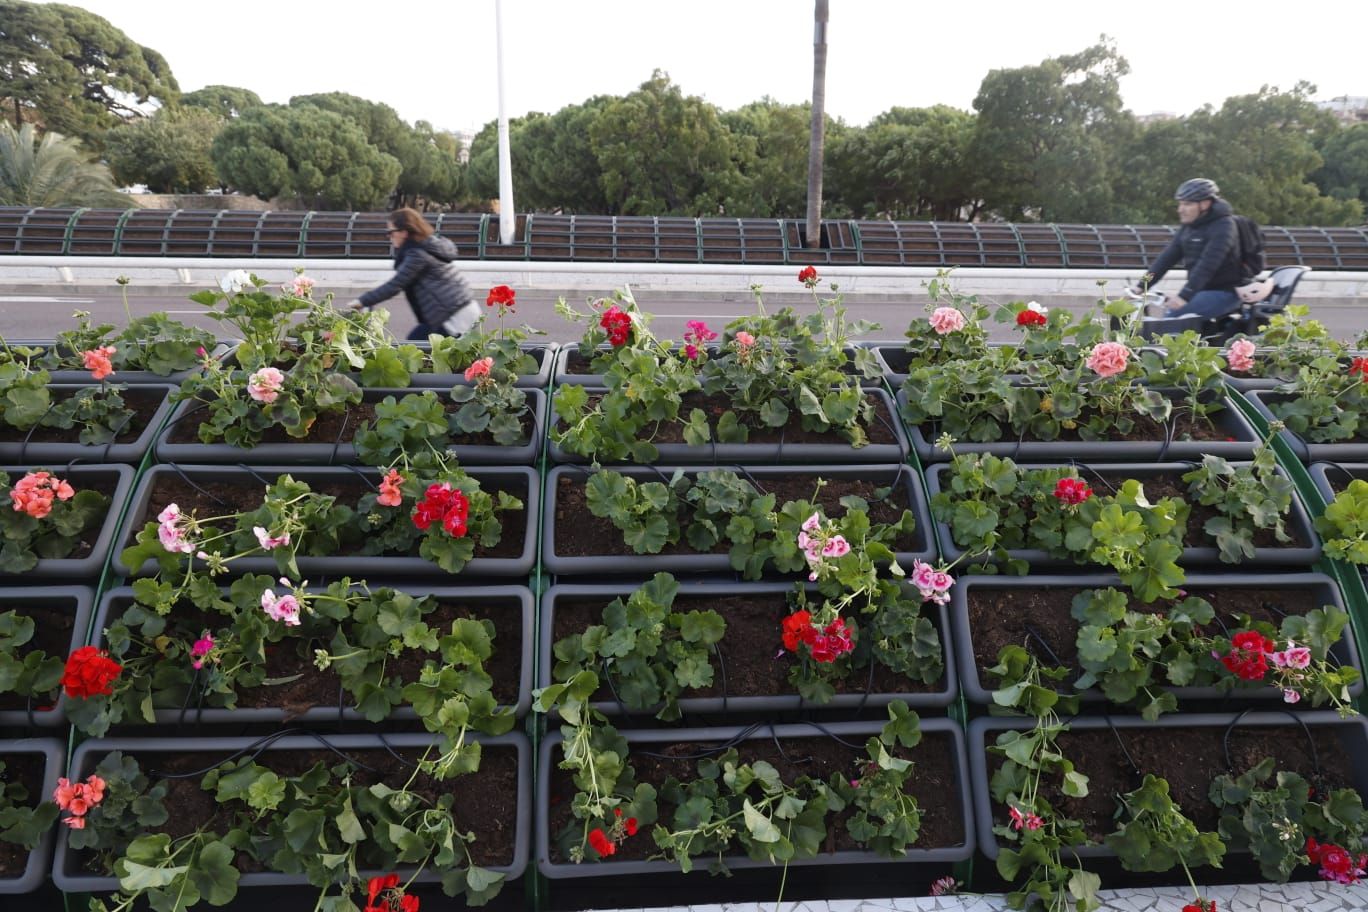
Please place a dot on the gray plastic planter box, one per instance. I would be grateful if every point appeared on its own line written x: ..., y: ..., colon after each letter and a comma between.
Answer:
x: 132, y: 452
x: 543, y: 352
x: 978, y: 686
x: 76, y: 601
x: 1352, y: 733
x: 1229, y: 422
x: 129, y: 377
x: 715, y: 453
x: 696, y: 595
x: 1245, y: 383
x: 357, y: 566
x: 1306, y: 451
x: 694, y: 562
x: 570, y: 350
x: 1332, y: 478
x: 53, y: 753
x: 1297, y: 520
x: 498, y: 599
x: 323, y: 454
x: 74, y: 569
x: 69, y: 876
x: 854, y: 732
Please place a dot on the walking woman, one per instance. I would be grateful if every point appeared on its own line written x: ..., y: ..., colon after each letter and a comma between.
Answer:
x: 425, y: 271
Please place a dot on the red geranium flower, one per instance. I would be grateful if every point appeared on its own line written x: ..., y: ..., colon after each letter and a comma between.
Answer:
x: 618, y: 324
x: 501, y: 296
x: 1201, y: 905
x: 1359, y: 366
x: 1247, y: 657
x: 798, y: 629
x: 90, y: 672
x: 383, y: 895
x: 445, y: 504
x: 600, y: 843
x: 808, y: 276
x: 1071, y: 490
x: 1030, y: 317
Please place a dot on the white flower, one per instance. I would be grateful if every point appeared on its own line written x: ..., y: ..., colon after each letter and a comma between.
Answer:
x: 236, y: 281
x: 1038, y: 308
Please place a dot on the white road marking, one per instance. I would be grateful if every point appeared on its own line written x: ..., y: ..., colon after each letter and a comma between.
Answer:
x: 42, y: 299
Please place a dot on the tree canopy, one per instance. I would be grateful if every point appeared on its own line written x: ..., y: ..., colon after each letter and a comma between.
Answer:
x: 320, y: 157
x: 225, y: 101
x: 169, y: 151
x: 73, y: 72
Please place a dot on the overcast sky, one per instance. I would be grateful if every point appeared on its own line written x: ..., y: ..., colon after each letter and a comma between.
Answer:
x: 435, y: 60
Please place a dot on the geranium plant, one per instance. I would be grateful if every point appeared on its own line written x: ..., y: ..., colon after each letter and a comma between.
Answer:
x: 25, y: 817
x: 326, y: 821
x: 1344, y: 525
x: 154, y: 343
x: 423, y: 422
x: 43, y: 516
x: 97, y: 413
x: 26, y: 670
x: 214, y: 647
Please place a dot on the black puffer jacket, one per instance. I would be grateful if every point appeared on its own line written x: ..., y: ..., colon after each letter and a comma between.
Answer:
x: 425, y: 273
x: 1209, y: 249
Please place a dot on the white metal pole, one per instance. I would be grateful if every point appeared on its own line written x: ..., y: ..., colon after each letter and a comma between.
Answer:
x: 507, y: 217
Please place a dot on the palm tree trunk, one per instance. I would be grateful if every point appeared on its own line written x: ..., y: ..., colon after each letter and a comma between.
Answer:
x: 815, y: 146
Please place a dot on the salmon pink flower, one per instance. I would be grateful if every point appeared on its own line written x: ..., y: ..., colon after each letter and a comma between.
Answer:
x: 745, y: 339
x: 945, y: 320
x: 390, y: 494
x: 97, y: 361
x: 34, y: 493
x: 479, y: 370
x: 299, y: 287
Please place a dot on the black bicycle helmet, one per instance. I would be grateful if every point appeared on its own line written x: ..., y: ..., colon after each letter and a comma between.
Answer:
x: 1197, y: 189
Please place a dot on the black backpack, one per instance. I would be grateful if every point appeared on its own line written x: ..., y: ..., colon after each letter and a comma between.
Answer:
x: 1252, y: 259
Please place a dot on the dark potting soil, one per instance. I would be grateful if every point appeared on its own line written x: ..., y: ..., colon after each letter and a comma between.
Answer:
x: 294, y: 656
x: 486, y: 800
x: 580, y: 533
x: 1025, y: 617
x: 242, y: 493
x: 52, y: 629
x: 934, y: 785
x: 754, y: 662
x: 1189, y: 758
x: 879, y: 431
x: 143, y: 402
x: 341, y: 427
x: 26, y: 769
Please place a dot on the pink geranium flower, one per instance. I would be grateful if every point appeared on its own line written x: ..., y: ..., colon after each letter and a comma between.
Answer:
x: 265, y: 385
x: 390, y: 493
x: 479, y: 369
x: 201, y: 648
x: 97, y: 361
x: 946, y: 320
x: 745, y: 339
x: 1108, y: 359
x: 284, y: 608
x: 1241, y: 355
x: 268, y: 542
x: 173, y: 529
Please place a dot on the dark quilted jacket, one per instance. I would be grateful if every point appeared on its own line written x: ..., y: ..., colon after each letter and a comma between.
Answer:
x: 1209, y: 249
x: 425, y: 273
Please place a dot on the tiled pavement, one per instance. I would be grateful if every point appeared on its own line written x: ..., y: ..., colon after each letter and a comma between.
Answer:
x: 1297, y: 897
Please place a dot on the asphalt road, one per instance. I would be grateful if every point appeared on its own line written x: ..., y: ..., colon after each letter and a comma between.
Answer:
x: 39, y: 316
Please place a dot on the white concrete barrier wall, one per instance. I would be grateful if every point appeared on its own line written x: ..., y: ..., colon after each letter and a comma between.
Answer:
x: 92, y: 274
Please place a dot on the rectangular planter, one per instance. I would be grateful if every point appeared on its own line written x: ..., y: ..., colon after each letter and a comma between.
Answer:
x: 358, y: 567
x: 1298, y: 522
x: 543, y: 352
x: 516, y: 599
x: 1330, y: 478
x: 128, y: 377
x: 978, y: 686
x: 693, y: 562
x: 72, y: 569
x: 1245, y: 384
x: 76, y: 602
x: 70, y: 878
x: 130, y: 452
x: 855, y: 732
x: 53, y: 754
x: 341, y: 453
x: 1306, y: 451
x: 699, y: 595
x: 1351, y: 733
x: 570, y: 352
x: 715, y: 453
x: 1229, y: 422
